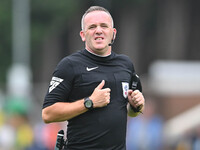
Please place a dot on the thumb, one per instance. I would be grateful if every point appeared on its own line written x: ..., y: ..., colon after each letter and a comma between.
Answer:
x: 130, y: 92
x: 100, y: 86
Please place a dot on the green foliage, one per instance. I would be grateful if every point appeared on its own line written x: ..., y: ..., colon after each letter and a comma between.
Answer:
x: 45, y: 16
x: 50, y: 14
x: 48, y: 18
x: 5, y: 39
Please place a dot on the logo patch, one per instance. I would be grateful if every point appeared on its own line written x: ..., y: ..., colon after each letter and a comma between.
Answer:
x: 125, y: 87
x: 90, y: 69
x: 55, y: 81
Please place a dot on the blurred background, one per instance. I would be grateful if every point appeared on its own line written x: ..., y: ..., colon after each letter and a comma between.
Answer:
x: 161, y: 37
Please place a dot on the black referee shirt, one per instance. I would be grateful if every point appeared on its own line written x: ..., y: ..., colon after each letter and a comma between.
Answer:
x: 75, y: 77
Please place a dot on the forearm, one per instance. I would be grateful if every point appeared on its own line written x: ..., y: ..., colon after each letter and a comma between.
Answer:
x: 62, y: 111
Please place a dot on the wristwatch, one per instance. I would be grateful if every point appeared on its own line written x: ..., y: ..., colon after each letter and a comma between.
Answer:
x: 88, y: 103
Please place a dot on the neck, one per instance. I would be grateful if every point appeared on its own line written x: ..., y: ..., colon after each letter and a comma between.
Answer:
x: 100, y: 55
x: 100, y: 52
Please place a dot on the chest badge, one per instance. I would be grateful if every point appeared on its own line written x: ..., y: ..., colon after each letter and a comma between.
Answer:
x: 125, y: 87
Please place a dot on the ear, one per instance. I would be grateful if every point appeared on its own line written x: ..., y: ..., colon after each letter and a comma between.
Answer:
x: 82, y: 35
x: 114, y: 33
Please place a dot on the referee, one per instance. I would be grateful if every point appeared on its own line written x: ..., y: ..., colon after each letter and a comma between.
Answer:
x: 91, y: 89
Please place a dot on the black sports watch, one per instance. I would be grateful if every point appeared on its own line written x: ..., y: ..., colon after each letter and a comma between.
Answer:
x: 88, y: 103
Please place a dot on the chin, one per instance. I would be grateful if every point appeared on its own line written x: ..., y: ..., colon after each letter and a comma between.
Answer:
x: 100, y: 47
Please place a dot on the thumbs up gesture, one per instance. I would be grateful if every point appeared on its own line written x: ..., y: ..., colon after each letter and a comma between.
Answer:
x: 100, y: 97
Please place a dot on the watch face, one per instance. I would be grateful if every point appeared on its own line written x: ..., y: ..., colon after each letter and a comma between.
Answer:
x: 88, y: 104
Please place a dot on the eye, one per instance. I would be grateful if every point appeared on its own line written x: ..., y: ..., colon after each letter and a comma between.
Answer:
x: 92, y: 27
x: 104, y: 26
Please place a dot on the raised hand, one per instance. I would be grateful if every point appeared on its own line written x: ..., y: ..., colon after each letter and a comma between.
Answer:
x: 100, y: 97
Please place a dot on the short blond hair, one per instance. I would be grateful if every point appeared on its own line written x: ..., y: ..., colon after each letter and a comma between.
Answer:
x: 95, y: 8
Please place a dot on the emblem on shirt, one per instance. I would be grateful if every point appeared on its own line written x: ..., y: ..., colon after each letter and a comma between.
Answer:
x: 55, y: 81
x: 90, y: 69
x: 125, y: 87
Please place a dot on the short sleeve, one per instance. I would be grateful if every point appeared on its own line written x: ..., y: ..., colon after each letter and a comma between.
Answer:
x: 60, y: 84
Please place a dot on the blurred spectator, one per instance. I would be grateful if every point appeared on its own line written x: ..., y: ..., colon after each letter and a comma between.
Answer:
x: 1, y: 117
x: 24, y: 133
x: 45, y: 136
x: 38, y: 143
x: 16, y: 131
x: 183, y: 144
x: 7, y: 137
x: 50, y: 134
x: 196, y: 140
x: 145, y: 131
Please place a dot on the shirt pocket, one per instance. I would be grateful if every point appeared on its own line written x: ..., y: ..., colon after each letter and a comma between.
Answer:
x: 88, y: 82
x: 89, y: 79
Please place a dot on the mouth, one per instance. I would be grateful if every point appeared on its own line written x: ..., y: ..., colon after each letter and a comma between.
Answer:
x: 99, y: 38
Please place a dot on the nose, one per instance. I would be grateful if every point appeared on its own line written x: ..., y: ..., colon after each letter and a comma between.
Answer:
x: 98, y: 30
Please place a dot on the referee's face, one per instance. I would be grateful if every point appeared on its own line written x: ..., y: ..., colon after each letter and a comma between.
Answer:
x: 98, y: 32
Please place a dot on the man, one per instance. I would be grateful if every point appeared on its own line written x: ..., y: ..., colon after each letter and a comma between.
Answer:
x: 90, y: 89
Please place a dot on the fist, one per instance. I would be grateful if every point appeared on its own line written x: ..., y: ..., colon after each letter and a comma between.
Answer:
x: 136, y: 98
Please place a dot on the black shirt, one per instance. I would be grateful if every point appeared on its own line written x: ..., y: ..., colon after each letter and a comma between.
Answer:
x: 75, y: 77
